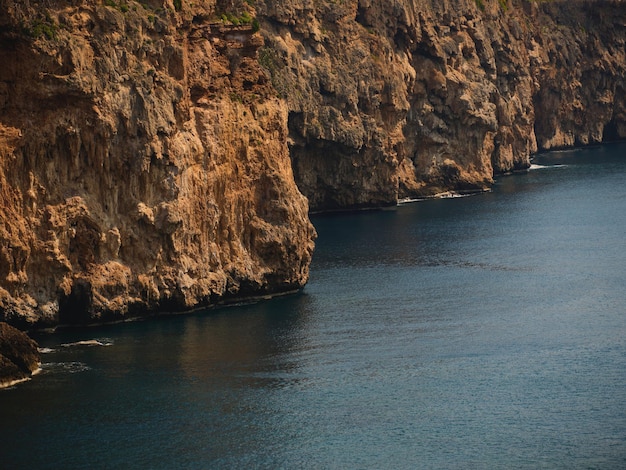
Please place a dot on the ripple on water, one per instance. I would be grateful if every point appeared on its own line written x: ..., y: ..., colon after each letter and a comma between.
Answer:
x: 71, y: 367
x: 90, y: 342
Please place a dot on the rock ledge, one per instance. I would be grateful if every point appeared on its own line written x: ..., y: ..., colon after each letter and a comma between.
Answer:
x: 19, y: 356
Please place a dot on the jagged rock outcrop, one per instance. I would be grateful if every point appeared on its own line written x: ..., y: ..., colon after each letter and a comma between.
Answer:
x: 402, y: 99
x: 19, y: 356
x: 144, y: 164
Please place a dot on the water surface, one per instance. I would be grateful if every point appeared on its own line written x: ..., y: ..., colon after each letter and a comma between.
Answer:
x: 479, y: 332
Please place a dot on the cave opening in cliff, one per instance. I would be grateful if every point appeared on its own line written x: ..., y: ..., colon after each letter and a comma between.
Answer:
x: 610, y: 132
x: 73, y: 308
x: 361, y: 16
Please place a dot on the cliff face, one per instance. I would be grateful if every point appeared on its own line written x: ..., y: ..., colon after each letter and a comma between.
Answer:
x: 403, y: 99
x: 148, y: 149
x: 143, y: 164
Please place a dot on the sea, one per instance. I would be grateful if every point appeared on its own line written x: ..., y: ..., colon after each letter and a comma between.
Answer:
x: 478, y: 332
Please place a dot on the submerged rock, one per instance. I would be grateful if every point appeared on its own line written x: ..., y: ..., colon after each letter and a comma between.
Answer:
x: 19, y: 356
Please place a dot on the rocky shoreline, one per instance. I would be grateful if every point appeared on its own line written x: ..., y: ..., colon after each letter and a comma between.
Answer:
x: 164, y: 156
x: 19, y: 356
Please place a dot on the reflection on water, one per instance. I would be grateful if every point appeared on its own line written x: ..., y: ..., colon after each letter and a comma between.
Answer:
x: 479, y: 332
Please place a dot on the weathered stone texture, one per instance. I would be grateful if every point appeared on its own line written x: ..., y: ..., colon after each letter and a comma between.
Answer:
x: 148, y: 150
x: 144, y: 164
x: 403, y: 99
x: 19, y: 355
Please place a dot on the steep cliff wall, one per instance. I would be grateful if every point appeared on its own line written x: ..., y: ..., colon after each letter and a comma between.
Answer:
x: 402, y: 99
x: 143, y: 163
x: 148, y: 148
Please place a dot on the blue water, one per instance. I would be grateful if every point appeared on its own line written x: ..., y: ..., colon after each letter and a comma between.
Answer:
x: 485, y: 332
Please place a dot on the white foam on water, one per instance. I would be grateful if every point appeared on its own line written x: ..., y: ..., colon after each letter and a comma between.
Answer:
x: 46, y: 350
x: 409, y: 200
x: 535, y: 166
x: 452, y: 195
x: 11, y: 383
x: 90, y: 342
x: 444, y: 195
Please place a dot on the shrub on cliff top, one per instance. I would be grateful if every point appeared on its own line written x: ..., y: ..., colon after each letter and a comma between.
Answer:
x: 122, y: 6
x: 242, y: 19
x: 41, y: 27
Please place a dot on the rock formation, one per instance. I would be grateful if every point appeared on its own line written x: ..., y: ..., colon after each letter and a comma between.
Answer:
x: 404, y: 99
x: 19, y: 356
x: 143, y: 164
x: 150, y: 150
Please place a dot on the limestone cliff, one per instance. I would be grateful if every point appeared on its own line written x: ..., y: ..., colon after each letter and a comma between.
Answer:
x: 402, y: 99
x: 144, y: 164
x: 148, y: 149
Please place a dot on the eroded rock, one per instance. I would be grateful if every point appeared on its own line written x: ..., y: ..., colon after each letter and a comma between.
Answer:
x: 148, y: 150
x: 392, y: 100
x: 144, y: 164
x: 19, y: 356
